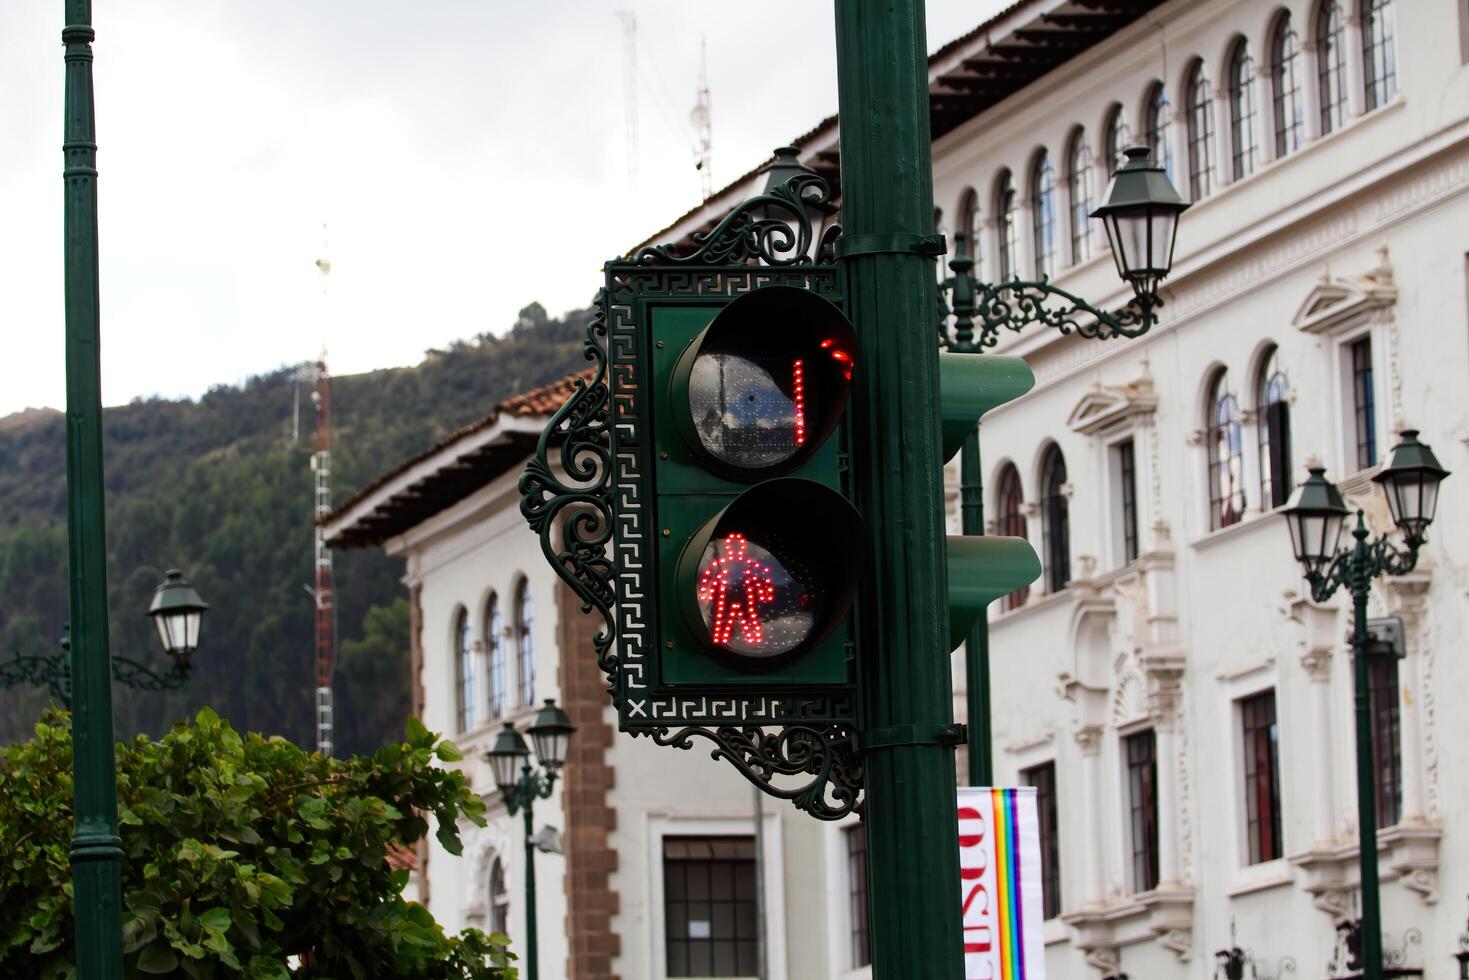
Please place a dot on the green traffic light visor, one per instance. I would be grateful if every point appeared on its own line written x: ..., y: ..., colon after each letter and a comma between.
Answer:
x: 773, y: 574
x: 765, y: 384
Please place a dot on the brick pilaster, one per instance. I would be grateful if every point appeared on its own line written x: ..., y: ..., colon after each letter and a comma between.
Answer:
x: 591, y: 901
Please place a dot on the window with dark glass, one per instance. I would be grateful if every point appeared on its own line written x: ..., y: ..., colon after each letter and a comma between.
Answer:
x: 1043, y: 214
x: 1285, y: 88
x: 1384, y: 704
x: 1079, y: 191
x: 495, y: 651
x: 1055, y: 521
x: 464, y: 692
x: 1242, y: 111
x: 1225, y: 438
x: 1043, y: 778
x: 1262, y: 777
x: 1274, y: 419
x: 968, y: 228
x: 1331, y: 70
x: 1005, y: 227
x: 709, y: 906
x: 861, y: 940
x: 1157, y: 127
x: 525, y: 648
x: 1200, y: 121
x: 1124, y: 462
x: 1012, y: 523
x: 1141, y: 753
x: 1379, y: 59
x: 499, y: 899
x: 1115, y: 137
x: 1364, y: 403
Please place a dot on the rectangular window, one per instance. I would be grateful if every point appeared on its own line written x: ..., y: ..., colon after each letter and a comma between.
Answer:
x: 1364, y: 404
x: 860, y: 939
x: 1262, y: 776
x: 709, y: 906
x: 1124, y: 469
x: 1043, y: 778
x: 1387, y: 759
x: 1141, y: 753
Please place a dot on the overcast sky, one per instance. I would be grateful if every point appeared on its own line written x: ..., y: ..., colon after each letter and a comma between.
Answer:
x: 467, y: 156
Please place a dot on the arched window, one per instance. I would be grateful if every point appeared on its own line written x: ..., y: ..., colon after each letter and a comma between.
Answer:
x: 495, y: 648
x: 1331, y: 69
x: 525, y: 648
x: 1271, y: 388
x: 1379, y: 59
x: 968, y: 226
x: 1200, y: 104
x: 1242, y: 110
x: 1012, y: 522
x: 1043, y: 213
x: 1285, y: 88
x: 1225, y: 437
x: 464, y: 679
x: 1157, y: 128
x: 1079, y: 191
x: 1005, y: 228
x: 1115, y: 136
x: 498, y: 899
x: 1055, y: 520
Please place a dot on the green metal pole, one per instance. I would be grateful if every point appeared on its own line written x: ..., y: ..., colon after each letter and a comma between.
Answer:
x: 531, y: 967
x: 887, y: 210
x: 1361, y: 585
x: 977, y: 646
x: 96, y: 852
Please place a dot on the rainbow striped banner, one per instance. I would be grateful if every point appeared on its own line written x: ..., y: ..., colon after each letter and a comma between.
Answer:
x: 1000, y: 884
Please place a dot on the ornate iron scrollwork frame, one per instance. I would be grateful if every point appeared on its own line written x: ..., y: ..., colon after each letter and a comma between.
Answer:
x: 588, y: 488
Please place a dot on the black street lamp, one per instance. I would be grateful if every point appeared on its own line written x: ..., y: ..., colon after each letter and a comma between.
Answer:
x: 1463, y: 953
x: 176, y: 611
x: 1140, y: 214
x: 1316, y: 516
x: 520, y: 787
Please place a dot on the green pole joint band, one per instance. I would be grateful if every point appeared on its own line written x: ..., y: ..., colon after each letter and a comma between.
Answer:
x: 897, y: 736
x: 929, y: 246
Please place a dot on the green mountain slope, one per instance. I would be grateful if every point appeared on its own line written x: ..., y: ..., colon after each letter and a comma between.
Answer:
x: 216, y: 487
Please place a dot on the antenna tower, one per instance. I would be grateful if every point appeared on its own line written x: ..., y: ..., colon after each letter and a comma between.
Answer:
x: 321, y: 468
x: 703, y: 125
x: 326, y: 640
x: 629, y: 20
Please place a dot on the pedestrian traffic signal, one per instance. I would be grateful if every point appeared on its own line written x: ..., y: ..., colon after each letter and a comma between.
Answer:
x: 760, y: 549
x: 980, y: 569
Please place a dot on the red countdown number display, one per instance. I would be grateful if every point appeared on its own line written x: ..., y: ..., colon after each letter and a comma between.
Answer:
x: 749, y: 601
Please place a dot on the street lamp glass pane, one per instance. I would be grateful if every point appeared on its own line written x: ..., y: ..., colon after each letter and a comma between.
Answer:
x: 750, y: 411
x: 165, y: 633
x: 550, y: 747
x: 191, y: 630
x: 506, y: 767
x: 751, y: 602
x: 1160, y: 258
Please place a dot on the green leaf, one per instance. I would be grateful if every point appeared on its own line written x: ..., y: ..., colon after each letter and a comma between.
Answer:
x: 216, y: 919
x: 158, y: 957
x: 417, y: 733
x: 447, y: 751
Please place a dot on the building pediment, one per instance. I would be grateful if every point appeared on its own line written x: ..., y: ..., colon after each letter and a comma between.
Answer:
x: 1340, y: 302
x: 1107, y: 406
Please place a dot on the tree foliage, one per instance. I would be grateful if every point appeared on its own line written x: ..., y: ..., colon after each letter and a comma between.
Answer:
x: 240, y: 852
x: 218, y: 488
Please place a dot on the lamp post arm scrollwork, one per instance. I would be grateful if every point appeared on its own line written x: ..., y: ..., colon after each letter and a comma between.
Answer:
x: 53, y: 672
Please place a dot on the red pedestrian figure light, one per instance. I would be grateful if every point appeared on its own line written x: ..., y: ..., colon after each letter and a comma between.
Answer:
x: 736, y: 584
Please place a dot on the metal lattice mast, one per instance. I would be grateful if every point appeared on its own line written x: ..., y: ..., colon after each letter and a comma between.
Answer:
x: 326, y: 639
x: 703, y: 121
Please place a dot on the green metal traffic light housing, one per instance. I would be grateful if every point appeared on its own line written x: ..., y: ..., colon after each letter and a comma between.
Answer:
x: 980, y: 569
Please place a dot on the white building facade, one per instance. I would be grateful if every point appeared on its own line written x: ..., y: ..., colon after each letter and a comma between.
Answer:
x: 1184, y: 707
